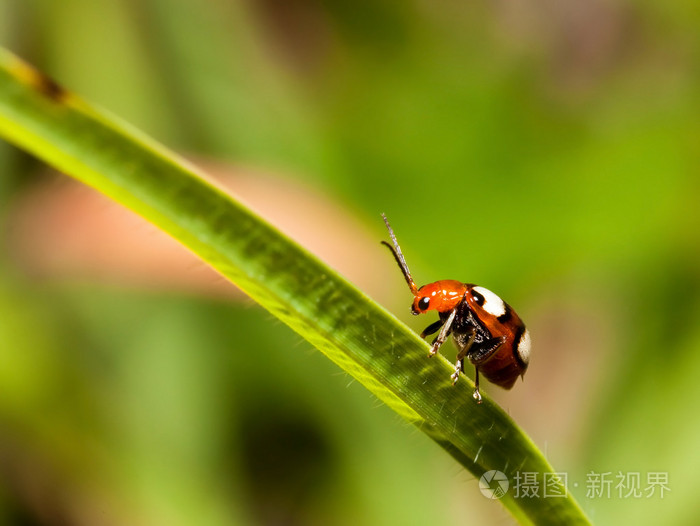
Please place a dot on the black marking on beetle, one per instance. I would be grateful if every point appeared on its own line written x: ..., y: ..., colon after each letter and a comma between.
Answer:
x: 516, y: 343
x: 503, y: 318
x: 478, y: 298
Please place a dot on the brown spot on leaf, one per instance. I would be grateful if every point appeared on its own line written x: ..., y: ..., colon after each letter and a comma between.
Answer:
x: 49, y: 87
x: 39, y: 81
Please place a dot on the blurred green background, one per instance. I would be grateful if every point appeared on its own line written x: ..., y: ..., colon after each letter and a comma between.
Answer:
x: 546, y: 150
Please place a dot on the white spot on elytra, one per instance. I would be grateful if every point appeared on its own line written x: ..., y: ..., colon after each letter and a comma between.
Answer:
x: 492, y: 303
x: 524, y: 347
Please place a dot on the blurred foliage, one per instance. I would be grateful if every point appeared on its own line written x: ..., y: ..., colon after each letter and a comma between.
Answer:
x: 546, y: 151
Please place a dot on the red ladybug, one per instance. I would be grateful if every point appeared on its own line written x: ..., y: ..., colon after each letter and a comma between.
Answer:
x: 485, y: 328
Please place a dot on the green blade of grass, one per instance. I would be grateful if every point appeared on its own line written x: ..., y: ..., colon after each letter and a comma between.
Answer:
x: 339, y: 320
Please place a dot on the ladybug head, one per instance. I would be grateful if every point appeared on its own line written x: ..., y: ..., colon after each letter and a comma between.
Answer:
x: 442, y: 296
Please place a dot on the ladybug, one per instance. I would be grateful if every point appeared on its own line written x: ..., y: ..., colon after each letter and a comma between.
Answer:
x: 485, y: 329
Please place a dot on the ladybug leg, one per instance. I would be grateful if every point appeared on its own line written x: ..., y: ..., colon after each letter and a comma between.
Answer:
x: 478, y: 353
x: 431, y: 329
x: 444, y: 332
x: 463, y: 350
x: 476, y: 395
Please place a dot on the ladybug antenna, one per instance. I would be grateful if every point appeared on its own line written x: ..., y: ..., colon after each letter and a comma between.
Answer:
x: 398, y: 256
